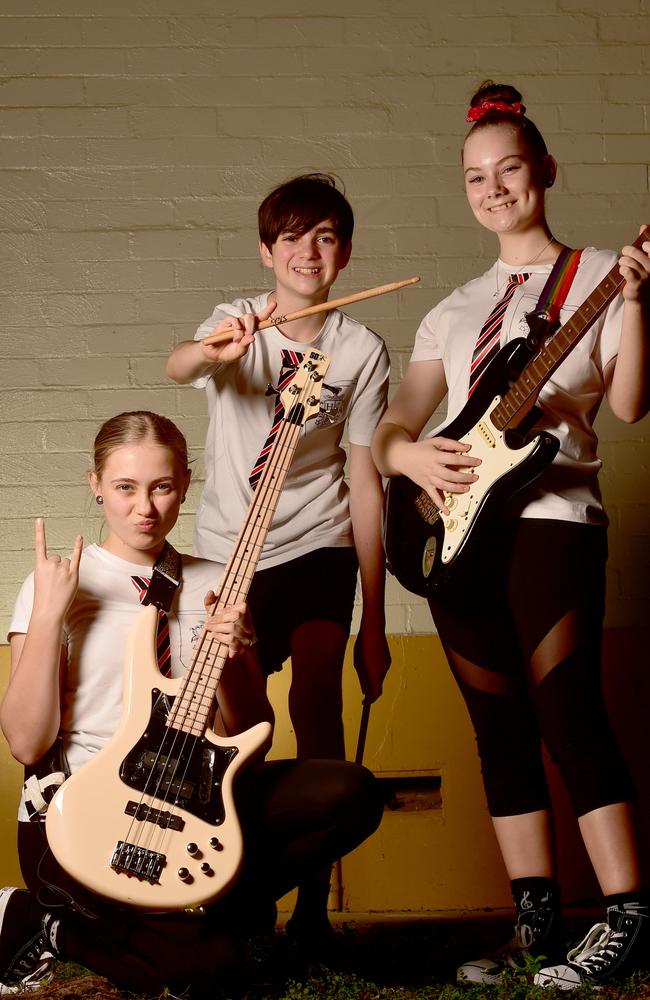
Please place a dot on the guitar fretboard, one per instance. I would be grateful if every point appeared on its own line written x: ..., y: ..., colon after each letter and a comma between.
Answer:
x: 524, y: 391
x: 195, y: 700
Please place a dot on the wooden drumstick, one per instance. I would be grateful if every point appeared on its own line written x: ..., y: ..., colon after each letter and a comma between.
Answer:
x: 322, y: 307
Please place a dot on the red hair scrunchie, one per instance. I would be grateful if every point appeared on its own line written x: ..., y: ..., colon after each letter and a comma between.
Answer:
x: 475, y: 114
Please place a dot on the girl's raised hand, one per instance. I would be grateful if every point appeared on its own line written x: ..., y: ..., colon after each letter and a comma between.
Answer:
x: 55, y: 579
x: 634, y: 266
x: 242, y: 330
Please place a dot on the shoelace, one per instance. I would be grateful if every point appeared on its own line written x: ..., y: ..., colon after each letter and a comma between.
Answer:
x: 30, y: 956
x: 597, y: 948
x: 41, y: 975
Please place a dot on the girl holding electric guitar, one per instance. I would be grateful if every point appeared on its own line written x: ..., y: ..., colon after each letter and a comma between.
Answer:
x: 518, y: 602
x: 61, y: 714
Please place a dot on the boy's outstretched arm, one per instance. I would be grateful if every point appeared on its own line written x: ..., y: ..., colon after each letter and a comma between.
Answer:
x: 371, y: 653
x: 192, y: 358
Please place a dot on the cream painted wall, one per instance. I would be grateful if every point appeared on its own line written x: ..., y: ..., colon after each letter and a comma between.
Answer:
x: 138, y: 139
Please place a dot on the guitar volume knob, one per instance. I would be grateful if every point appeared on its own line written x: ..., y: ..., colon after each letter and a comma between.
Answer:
x: 184, y: 875
x: 216, y: 844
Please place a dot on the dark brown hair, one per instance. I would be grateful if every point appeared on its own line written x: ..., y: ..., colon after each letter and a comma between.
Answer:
x: 300, y: 204
x: 136, y: 426
x: 505, y: 94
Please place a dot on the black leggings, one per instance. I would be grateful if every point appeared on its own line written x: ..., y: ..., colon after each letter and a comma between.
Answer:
x: 521, y: 627
x: 297, y: 817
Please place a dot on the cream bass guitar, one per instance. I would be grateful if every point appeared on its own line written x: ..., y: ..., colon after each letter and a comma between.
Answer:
x: 150, y: 820
x: 423, y: 546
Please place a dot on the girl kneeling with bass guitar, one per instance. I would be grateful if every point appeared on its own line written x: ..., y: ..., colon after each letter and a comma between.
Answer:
x: 68, y: 637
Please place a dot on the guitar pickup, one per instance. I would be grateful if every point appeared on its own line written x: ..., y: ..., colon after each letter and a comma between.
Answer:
x: 163, y: 770
x: 147, y: 814
x: 486, y: 434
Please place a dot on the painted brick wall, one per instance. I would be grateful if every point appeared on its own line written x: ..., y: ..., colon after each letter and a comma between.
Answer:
x: 138, y: 137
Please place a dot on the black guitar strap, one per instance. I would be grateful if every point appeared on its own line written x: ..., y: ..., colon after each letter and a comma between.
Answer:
x: 165, y: 578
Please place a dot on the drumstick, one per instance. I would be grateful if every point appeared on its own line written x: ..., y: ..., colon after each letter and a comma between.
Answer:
x: 363, y: 731
x: 346, y: 300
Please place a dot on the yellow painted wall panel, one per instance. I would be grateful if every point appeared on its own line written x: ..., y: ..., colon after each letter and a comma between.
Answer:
x: 11, y: 776
x: 444, y: 858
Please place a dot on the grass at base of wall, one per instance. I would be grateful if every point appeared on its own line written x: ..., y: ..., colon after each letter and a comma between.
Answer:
x: 73, y: 983
x: 378, y: 962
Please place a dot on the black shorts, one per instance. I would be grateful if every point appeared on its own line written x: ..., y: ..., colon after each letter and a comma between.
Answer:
x: 319, y: 586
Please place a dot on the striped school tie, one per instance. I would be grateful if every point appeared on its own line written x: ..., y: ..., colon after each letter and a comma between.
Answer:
x: 290, y: 363
x: 488, y: 342
x: 163, y: 650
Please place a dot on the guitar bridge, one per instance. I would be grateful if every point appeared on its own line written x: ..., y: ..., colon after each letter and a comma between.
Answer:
x: 143, y: 864
x: 426, y: 508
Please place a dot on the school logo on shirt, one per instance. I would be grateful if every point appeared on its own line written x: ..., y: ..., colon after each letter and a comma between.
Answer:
x: 331, y: 406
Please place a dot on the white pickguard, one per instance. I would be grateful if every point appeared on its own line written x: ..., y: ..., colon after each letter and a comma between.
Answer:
x: 497, y: 459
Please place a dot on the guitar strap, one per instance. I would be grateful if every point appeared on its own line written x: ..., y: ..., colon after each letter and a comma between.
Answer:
x: 553, y: 296
x: 165, y: 578
x: 43, y: 779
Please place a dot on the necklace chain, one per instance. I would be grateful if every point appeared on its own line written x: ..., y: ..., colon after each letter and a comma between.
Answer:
x: 523, y: 266
x: 538, y: 255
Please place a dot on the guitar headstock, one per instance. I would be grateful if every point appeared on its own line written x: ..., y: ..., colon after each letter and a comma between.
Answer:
x: 301, y: 397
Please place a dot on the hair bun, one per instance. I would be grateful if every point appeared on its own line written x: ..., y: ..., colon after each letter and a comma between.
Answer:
x: 499, y: 97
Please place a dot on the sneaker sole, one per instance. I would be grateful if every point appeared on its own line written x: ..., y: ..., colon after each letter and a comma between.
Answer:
x: 558, y: 978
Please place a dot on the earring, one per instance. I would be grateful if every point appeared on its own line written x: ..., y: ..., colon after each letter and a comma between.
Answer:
x: 99, y: 500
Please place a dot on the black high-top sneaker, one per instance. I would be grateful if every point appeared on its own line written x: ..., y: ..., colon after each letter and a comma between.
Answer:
x: 26, y: 958
x: 610, y: 951
x: 538, y: 934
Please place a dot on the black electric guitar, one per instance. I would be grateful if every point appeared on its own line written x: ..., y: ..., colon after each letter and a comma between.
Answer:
x: 423, y: 545
x: 150, y: 820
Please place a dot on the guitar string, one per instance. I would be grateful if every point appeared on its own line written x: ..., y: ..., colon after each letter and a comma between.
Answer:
x: 568, y: 330
x: 286, y: 446
x: 149, y: 827
x: 614, y: 276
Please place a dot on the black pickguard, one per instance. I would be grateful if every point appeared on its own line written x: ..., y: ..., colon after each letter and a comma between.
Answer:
x: 177, y: 768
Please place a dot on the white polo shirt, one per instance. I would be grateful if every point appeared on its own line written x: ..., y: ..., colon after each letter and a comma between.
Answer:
x: 313, y: 510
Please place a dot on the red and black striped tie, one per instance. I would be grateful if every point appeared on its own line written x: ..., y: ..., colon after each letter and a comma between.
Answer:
x: 290, y: 363
x: 164, y: 654
x: 488, y: 342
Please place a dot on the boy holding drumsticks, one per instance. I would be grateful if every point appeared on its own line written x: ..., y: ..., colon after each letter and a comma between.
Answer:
x: 302, y: 595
